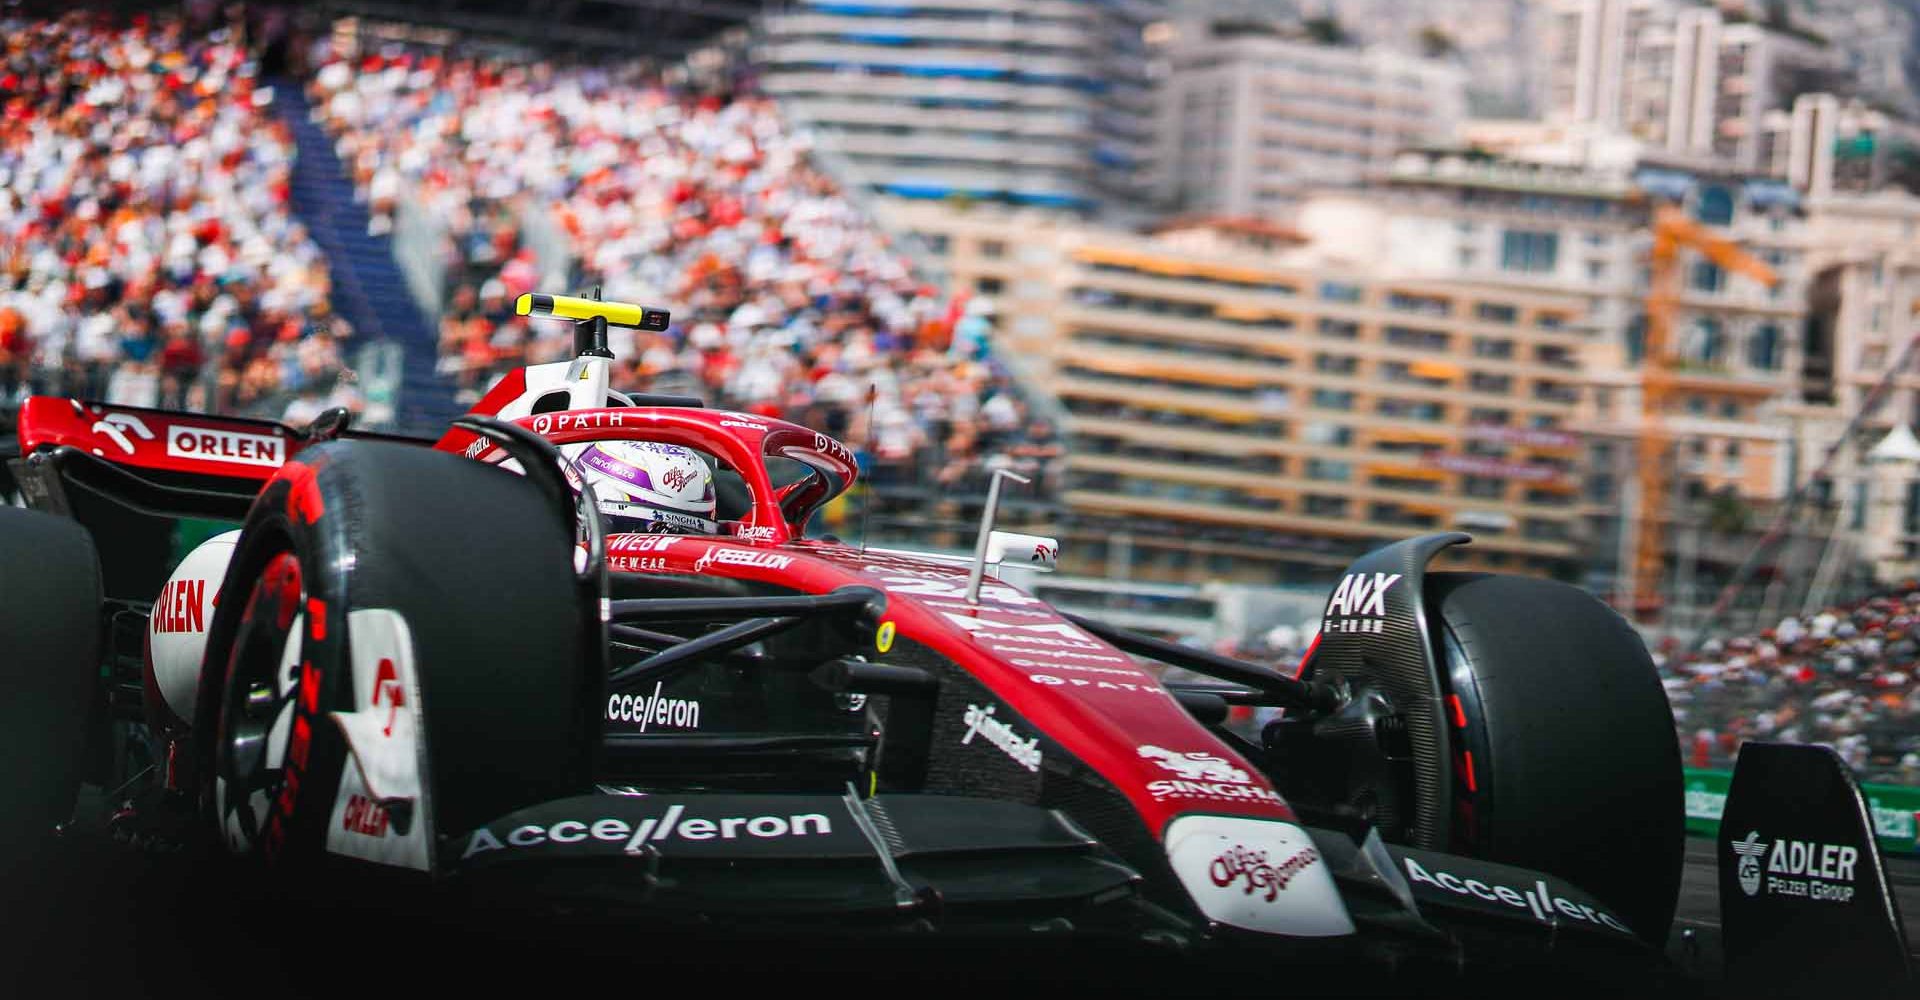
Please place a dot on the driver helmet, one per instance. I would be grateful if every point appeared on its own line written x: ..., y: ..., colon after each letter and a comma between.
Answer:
x: 649, y: 487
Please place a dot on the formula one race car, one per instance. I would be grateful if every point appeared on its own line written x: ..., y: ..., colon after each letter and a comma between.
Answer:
x: 582, y: 651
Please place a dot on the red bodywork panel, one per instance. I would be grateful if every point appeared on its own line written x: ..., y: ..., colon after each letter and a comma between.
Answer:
x: 1084, y: 694
x: 159, y: 439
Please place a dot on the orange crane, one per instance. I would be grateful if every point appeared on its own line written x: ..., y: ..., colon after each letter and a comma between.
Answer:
x: 1673, y: 232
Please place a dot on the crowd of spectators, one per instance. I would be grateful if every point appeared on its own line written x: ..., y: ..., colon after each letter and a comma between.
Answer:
x: 1847, y: 676
x: 787, y: 300
x: 148, y: 253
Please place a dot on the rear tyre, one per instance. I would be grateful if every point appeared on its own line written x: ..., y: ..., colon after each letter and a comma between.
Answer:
x: 1565, y: 759
x: 49, y: 672
x: 356, y: 560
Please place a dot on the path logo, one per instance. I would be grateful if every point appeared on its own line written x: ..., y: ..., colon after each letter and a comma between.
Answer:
x: 1748, y: 870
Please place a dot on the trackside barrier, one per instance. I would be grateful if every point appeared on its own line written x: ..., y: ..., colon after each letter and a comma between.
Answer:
x: 1895, y: 809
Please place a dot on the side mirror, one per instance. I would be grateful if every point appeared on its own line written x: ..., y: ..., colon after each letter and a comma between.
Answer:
x: 1032, y: 551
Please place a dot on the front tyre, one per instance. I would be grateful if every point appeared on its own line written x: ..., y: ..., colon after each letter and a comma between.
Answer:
x: 1564, y: 756
x: 403, y: 653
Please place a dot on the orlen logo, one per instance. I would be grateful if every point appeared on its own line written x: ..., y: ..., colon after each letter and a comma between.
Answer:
x: 206, y: 444
x: 182, y: 607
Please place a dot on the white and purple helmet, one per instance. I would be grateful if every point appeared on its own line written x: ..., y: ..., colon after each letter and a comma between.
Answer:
x: 645, y: 486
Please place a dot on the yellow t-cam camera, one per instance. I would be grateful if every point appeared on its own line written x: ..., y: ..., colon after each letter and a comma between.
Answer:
x: 573, y: 307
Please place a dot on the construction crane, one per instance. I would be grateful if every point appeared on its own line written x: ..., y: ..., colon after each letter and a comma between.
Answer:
x: 1673, y: 232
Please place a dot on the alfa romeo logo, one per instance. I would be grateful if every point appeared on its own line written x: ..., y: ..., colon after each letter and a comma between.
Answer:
x: 1749, y: 851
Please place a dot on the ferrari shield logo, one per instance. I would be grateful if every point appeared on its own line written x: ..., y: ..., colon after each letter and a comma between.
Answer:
x: 1748, y: 870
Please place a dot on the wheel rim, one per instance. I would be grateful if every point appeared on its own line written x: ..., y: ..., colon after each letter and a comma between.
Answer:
x: 257, y: 707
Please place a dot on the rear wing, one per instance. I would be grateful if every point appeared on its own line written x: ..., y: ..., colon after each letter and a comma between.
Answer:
x: 161, y: 462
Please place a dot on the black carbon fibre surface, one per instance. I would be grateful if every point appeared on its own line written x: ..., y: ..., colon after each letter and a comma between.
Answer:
x: 1375, y: 626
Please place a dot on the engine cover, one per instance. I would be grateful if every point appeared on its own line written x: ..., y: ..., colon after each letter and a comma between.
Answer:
x: 177, y: 631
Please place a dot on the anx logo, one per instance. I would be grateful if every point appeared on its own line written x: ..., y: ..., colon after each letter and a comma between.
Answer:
x: 980, y: 722
x: 1359, y: 604
x: 1803, y: 868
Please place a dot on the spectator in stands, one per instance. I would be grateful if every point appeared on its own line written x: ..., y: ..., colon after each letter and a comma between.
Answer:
x: 788, y: 301
x: 148, y: 252
x: 1844, y: 676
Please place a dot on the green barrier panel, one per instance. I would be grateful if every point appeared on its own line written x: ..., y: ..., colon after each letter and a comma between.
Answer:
x: 1893, y: 808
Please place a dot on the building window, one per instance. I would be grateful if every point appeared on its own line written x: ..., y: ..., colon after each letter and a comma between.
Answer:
x: 1484, y: 487
x: 1324, y: 433
x: 1336, y: 364
x: 1495, y: 312
x: 1705, y: 343
x: 1529, y: 252
x: 1763, y: 348
x: 1707, y: 277
x: 1332, y: 399
x: 1320, y: 506
x: 1488, y: 382
x: 1714, y: 206
x: 1329, y: 470
x: 1339, y: 291
x: 1339, y: 328
x: 1431, y: 305
x: 1426, y: 340
x: 1492, y: 347
x: 1544, y: 530
x: 993, y: 248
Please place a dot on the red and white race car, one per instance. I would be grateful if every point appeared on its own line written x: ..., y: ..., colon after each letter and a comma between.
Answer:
x: 435, y: 660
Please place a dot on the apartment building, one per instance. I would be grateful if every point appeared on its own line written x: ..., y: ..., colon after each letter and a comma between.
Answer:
x: 1023, y: 102
x: 1864, y: 252
x: 1825, y: 145
x: 1692, y: 79
x: 1242, y: 408
x: 1250, y: 119
x: 1582, y: 232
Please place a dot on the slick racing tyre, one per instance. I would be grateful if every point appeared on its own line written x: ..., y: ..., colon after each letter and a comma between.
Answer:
x: 397, y: 650
x: 49, y: 671
x: 1565, y: 759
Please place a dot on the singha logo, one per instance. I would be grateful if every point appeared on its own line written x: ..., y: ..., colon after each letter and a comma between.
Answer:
x: 1194, y: 766
x: 1748, y: 870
